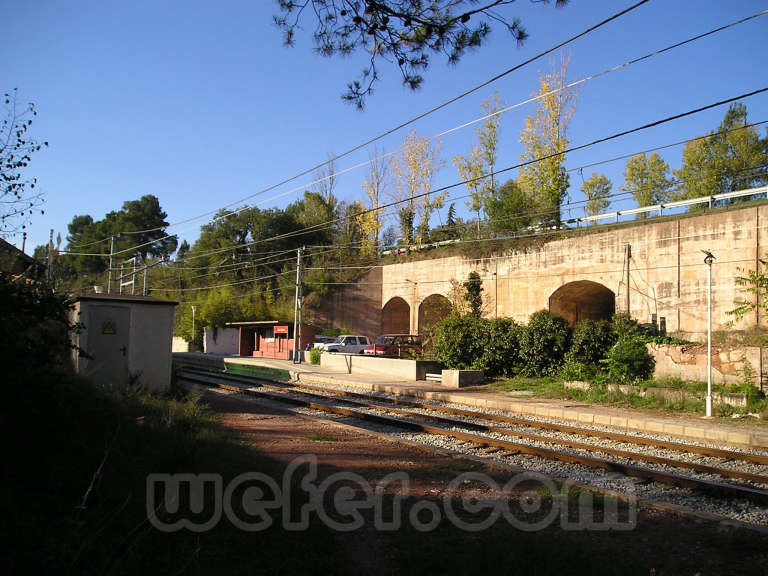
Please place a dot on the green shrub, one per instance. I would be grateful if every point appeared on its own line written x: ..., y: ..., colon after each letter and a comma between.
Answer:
x: 460, y: 341
x: 590, y: 342
x: 501, y: 353
x: 314, y: 355
x: 628, y: 361
x: 624, y: 326
x: 574, y: 370
x: 543, y: 344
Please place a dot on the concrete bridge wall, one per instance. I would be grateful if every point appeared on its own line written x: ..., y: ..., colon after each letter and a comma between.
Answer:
x: 667, y: 276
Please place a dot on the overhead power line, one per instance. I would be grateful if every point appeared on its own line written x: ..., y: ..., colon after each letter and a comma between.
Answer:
x: 411, y: 120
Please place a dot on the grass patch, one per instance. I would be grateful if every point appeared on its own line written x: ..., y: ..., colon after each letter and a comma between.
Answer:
x: 546, y: 387
x: 318, y: 437
x: 75, y: 479
x: 601, y: 394
x: 259, y: 371
x: 458, y: 465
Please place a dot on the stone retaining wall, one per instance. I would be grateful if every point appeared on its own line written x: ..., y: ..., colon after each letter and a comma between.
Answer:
x: 689, y: 362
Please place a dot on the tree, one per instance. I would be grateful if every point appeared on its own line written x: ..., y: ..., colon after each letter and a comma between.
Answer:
x: 144, y: 221
x: 647, y: 179
x: 373, y: 187
x: 18, y: 197
x: 451, y: 218
x: 138, y: 229
x: 545, y: 139
x: 326, y: 180
x: 732, y: 158
x: 477, y: 170
x: 413, y: 167
x: 596, y: 190
x: 183, y: 249
x: 474, y: 294
x: 507, y: 208
x: 471, y: 172
x: 406, y: 32
x: 754, y: 283
x: 488, y: 136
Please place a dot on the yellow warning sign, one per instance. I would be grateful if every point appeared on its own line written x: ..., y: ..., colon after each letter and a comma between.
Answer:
x: 108, y: 328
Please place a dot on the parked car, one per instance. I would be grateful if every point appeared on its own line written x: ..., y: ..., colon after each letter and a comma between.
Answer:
x: 396, y: 345
x: 321, y: 341
x: 348, y: 344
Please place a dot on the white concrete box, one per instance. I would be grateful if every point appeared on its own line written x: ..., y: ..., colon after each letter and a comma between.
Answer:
x: 124, y: 339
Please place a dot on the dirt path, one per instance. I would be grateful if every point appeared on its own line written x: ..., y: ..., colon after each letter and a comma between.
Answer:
x: 662, y: 542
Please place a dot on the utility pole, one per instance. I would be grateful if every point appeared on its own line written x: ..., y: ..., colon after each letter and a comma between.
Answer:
x: 24, y: 241
x: 297, y: 311
x: 49, y: 258
x: 111, y: 263
x: 629, y: 255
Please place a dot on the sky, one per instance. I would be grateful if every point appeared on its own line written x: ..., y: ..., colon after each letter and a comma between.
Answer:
x: 201, y: 104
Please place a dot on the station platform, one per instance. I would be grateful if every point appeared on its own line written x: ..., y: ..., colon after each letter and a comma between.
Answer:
x: 686, y: 427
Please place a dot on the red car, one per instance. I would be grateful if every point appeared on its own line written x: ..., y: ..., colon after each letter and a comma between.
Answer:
x: 396, y: 345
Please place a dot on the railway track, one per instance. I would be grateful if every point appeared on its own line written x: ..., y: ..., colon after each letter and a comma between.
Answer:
x: 519, y: 436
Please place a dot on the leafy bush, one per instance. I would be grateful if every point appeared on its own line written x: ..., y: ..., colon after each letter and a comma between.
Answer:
x: 543, y: 344
x: 590, y: 342
x: 501, y: 353
x: 35, y: 328
x: 629, y: 361
x: 575, y: 370
x: 314, y: 355
x: 624, y: 326
x: 460, y: 341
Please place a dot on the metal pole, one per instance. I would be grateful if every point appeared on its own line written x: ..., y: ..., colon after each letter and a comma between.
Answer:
x: 133, y: 278
x: 294, y: 354
x: 708, y: 403
x: 146, y: 272
x: 24, y: 242
x: 49, y: 260
x: 629, y: 255
x: 194, y: 308
x: 111, y: 260
x: 301, y: 309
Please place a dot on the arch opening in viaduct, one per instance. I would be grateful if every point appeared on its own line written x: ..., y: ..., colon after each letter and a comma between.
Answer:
x: 396, y: 317
x: 434, y: 308
x: 582, y: 300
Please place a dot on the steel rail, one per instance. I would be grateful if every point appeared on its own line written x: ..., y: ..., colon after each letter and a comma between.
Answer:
x: 721, y: 489
x: 564, y: 428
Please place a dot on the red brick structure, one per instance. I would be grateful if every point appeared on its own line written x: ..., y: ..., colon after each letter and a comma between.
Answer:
x: 269, y: 338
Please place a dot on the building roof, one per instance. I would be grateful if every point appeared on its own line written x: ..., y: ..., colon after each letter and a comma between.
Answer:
x: 14, y: 261
x: 124, y: 298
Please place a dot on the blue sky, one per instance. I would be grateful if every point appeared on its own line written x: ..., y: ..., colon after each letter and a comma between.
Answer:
x: 200, y: 104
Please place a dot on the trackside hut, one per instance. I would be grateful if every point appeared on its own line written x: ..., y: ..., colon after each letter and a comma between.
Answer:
x: 269, y: 338
x: 124, y: 339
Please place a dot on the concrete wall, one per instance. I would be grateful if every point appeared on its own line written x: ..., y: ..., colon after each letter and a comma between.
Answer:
x: 150, y: 348
x: 220, y: 341
x: 690, y: 362
x: 396, y: 368
x: 356, y: 309
x: 668, y: 276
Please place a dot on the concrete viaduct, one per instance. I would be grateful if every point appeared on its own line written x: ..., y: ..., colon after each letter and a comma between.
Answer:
x: 651, y: 268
